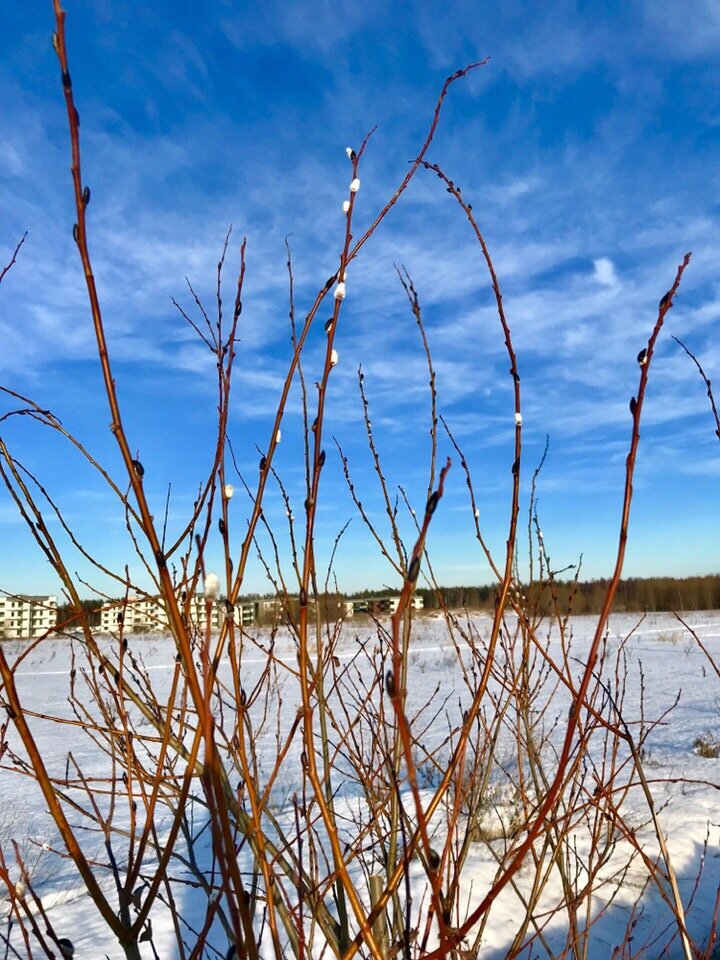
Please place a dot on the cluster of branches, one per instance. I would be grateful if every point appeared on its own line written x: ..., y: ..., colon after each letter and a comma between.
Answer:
x: 314, y: 800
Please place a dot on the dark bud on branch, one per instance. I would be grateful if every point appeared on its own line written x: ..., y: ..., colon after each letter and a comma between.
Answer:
x: 321, y: 459
x: 303, y: 597
x: 263, y: 462
x: 665, y: 302
x: 86, y: 196
x: 314, y: 425
x: 433, y: 859
x: 76, y: 233
x: 633, y: 405
x: 414, y: 570
x: 221, y: 527
x: 304, y: 760
x: 328, y: 324
x: 466, y: 716
x: 390, y: 683
x: 66, y: 81
x: 431, y: 504
x: 516, y: 468
x: 642, y: 356
x: 67, y: 948
x: 243, y: 697
x: 309, y: 504
x: 138, y: 468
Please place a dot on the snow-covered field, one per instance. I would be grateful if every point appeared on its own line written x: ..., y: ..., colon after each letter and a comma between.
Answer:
x: 665, y: 669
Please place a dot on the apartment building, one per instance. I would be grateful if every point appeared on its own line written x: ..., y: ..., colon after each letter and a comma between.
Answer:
x: 26, y: 616
x: 138, y: 615
x: 148, y: 614
x: 380, y: 606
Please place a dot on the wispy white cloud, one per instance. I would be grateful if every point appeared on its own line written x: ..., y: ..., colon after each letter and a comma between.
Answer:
x: 684, y: 31
x: 316, y: 26
x: 604, y: 272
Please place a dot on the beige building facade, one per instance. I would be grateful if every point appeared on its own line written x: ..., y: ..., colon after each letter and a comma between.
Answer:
x: 148, y: 615
x: 27, y: 616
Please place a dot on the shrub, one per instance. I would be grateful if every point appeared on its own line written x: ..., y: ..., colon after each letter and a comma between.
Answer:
x: 321, y: 802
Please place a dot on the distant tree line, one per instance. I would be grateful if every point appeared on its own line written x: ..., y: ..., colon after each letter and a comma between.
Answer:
x: 635, y: 595
x: 66, y: 613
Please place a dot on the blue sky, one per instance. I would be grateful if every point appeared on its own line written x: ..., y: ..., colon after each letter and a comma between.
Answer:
x: 589, y: 149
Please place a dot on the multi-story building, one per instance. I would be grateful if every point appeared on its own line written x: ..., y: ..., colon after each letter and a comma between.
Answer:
x: 148, y: 614
x: 27, y: 616
x: 246, y: 613
x: 138, y: 615
x: 377, y: 606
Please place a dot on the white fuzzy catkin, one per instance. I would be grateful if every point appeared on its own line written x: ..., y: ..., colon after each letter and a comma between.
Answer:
x: 346, y: 206
x: 354, y: 185
x: 229, y: 490
x: 278, y: 436
x: 334, y: 358
x: 340, y: 291
x: 349, y: 152
x: 212, y: 586
x: 518, y: 419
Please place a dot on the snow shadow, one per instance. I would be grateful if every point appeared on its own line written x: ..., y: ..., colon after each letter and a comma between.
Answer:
x: 642, y: 921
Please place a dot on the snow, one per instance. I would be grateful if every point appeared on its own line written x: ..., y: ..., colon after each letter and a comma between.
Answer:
x: 669, y: 679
